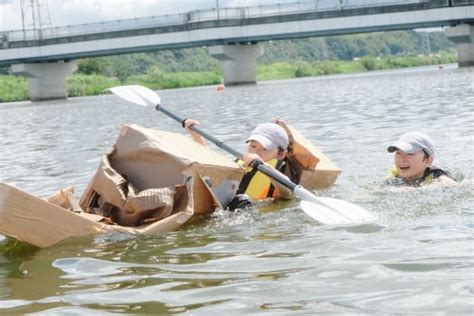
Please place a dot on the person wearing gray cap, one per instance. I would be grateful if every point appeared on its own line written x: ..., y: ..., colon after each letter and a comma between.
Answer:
x: 413, y: 162
x: 269, y: 143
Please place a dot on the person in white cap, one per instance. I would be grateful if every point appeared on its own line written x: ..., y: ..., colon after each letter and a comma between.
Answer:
x: 268, y: 143
x: 413, y: 162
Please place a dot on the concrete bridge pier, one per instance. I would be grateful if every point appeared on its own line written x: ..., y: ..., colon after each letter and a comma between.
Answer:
x: 239, y: 62
x: 463, y: 36
x: 46, y: 80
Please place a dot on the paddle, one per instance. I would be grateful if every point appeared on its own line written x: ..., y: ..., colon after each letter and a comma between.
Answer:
x: 323, y: 209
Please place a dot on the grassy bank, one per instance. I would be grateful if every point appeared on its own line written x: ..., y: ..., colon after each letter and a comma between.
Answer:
x: 319, y: 68
x: 161, y: 80
x: 14, y: 88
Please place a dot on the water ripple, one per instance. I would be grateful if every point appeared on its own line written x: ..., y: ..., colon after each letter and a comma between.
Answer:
x: 415, y: 259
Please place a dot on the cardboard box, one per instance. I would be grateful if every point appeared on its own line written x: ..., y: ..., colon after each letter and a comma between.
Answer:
x: 145, y: 170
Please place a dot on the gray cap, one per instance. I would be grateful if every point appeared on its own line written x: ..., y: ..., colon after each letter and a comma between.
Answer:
x: 413, y: 142
x: 270, y: 135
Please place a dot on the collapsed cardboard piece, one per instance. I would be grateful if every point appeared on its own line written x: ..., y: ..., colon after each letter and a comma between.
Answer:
x: 158, y: 180
x: 139, y: 180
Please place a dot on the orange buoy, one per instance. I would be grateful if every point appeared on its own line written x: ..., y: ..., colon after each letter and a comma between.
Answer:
x: 220, y: 87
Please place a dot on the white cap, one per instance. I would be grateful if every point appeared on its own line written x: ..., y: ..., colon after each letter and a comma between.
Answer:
x: 413, y: 142
x: 270, y: 136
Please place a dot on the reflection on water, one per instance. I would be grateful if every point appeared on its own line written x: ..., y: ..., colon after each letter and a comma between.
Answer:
x: 417, y: 257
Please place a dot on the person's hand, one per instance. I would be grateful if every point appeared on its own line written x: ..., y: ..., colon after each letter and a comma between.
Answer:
x: 190, y: 122
x: 187, y: 124
x: 249, y: 157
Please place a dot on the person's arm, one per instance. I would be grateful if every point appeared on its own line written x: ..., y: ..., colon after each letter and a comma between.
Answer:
x: 187, y: 123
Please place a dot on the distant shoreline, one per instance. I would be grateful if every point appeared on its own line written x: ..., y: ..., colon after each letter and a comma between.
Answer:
x: 15, y: 88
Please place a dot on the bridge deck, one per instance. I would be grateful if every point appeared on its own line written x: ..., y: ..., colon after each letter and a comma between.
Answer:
x: 221, y: 26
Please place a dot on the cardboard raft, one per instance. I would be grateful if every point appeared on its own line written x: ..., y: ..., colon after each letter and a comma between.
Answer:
x: 150, y: 182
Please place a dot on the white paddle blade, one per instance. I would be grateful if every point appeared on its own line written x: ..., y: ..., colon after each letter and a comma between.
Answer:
x: 146, y: 94
x: 336, y: 212
x: 332, y: 211
x: 126, y: 93
x: 137, y: 94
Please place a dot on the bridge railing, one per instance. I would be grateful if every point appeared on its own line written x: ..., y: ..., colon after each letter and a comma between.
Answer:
x: 200, y: 16
x: 101, y: 27
x: 290, y: 8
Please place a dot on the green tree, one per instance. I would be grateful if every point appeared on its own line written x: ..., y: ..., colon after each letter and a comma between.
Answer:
x: 4, y: 70
x: 92, y: 66
x: 369, y: 63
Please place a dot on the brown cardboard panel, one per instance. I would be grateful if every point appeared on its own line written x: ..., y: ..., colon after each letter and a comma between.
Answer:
x: 153, y: 158
x: 321, y: 172
x: 38, y: 222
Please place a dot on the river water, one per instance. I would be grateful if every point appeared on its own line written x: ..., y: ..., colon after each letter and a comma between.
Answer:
x: 416, y: 258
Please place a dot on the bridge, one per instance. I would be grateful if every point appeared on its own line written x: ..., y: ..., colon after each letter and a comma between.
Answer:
x: 233, y: 35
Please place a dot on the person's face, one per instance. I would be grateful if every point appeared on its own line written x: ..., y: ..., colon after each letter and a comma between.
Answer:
x: 255, y: 147
x: 411, y: 166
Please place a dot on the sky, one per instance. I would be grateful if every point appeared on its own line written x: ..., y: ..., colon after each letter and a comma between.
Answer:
x: 67, y: 12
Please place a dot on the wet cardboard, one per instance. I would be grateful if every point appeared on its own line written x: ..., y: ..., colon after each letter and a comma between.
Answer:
x: 151, y: 160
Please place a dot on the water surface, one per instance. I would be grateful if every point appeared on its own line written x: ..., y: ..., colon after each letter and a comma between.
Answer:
x: 416, y: 258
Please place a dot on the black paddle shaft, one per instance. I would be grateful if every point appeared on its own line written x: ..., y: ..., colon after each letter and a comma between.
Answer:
x: 269, y: 171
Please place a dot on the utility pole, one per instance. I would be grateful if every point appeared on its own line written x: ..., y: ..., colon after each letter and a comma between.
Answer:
x: 217, y: 9
x: 316, y: 5
x: 341, y: 4
x: 34, y: 17
x: 427, y: 43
